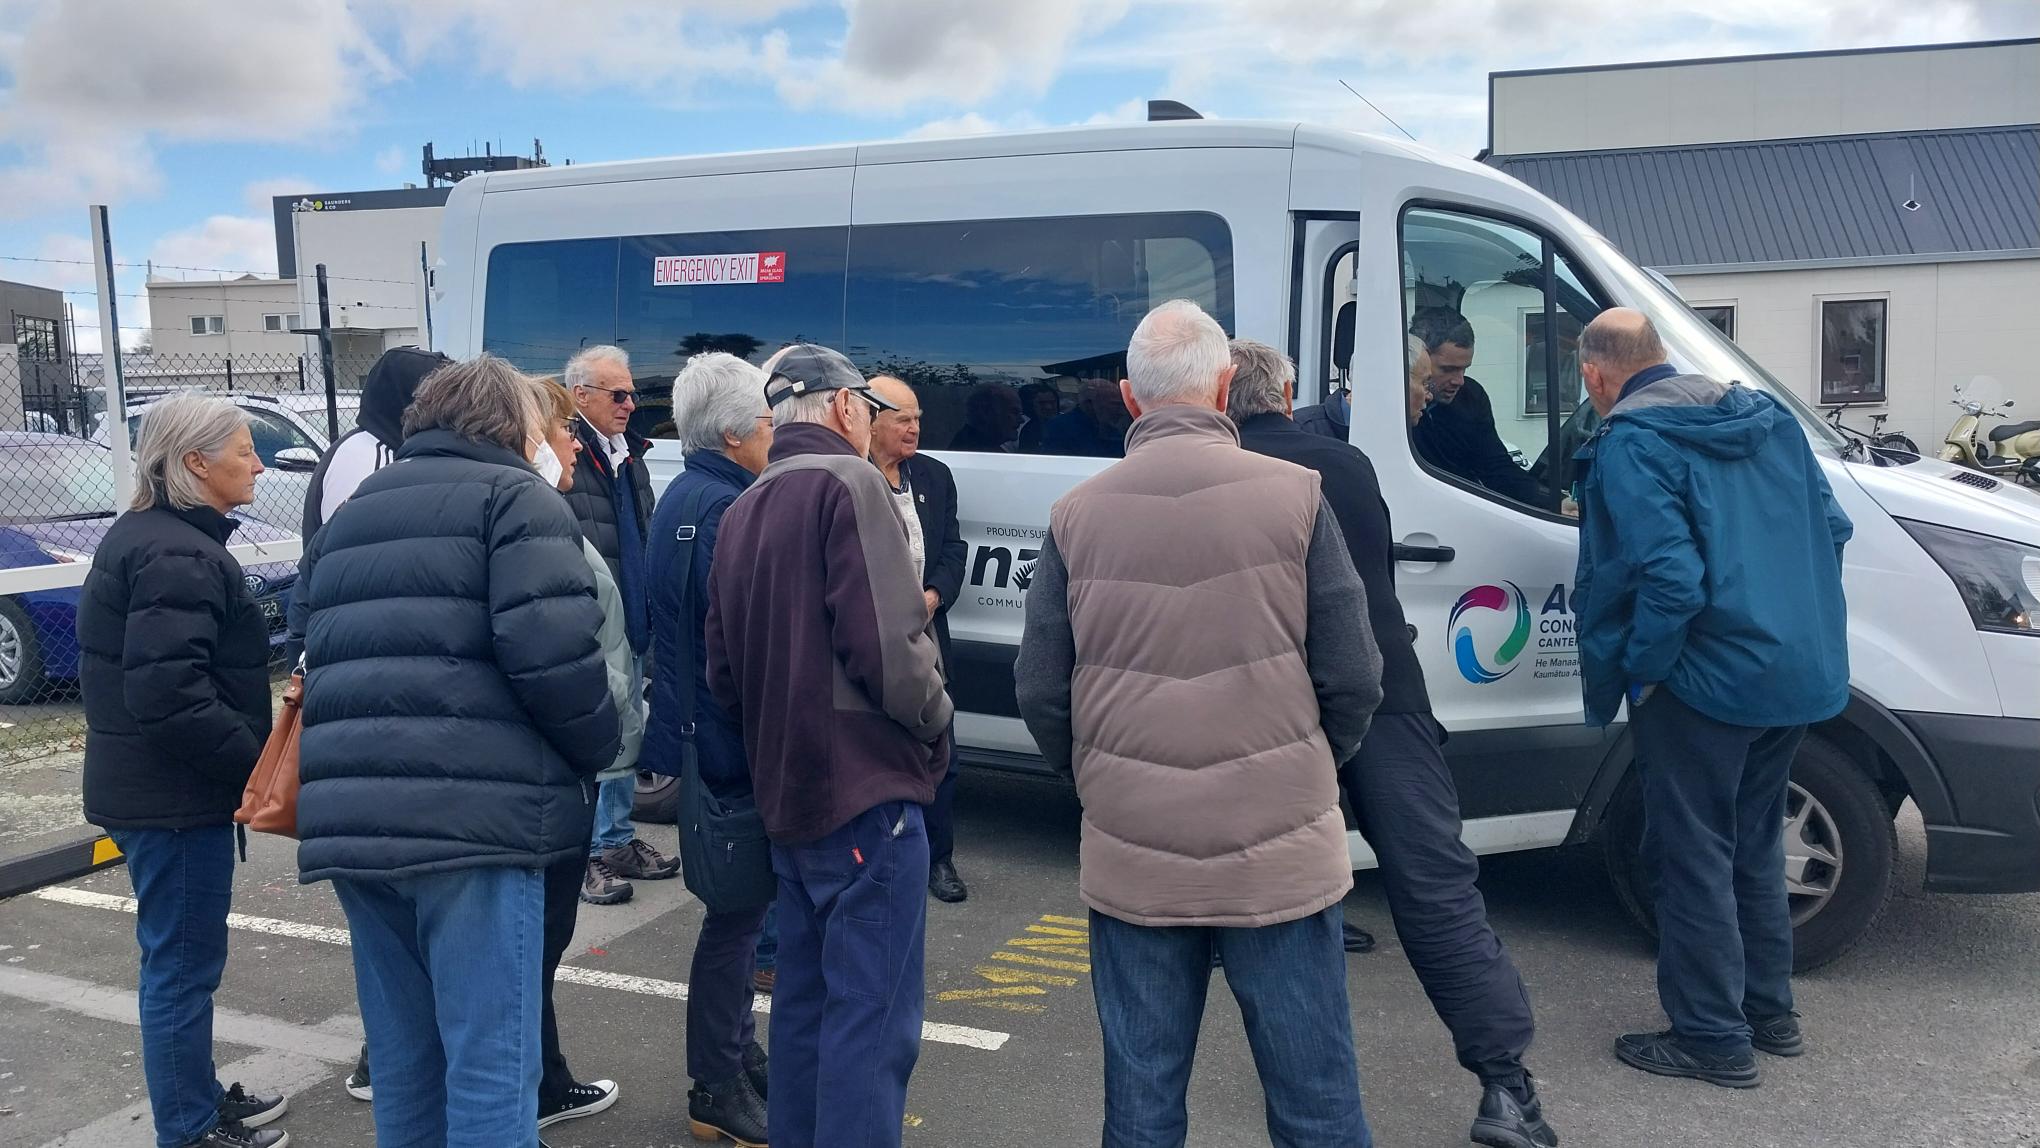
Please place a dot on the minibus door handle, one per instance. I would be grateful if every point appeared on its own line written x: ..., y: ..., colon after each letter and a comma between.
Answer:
x: 1403, y: 552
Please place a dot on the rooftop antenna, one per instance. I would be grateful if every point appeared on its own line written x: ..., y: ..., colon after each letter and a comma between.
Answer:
x: 1377, y: 111
x: 1912, y: 202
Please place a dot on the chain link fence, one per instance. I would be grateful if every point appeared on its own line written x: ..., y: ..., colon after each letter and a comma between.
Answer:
x: 57, y: 500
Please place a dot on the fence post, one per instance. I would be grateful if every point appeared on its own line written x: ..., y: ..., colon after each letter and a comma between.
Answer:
x: 301, y: 373
x: 326, y: 362
x: 116, y: 385
x: 230, y: 374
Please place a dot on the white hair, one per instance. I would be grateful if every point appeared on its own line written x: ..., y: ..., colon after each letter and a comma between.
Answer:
x: 717, y: 395
x: 172, y: 428
x: 1176, y: 355
x: 580, y: 370
x: 1416, y: 354
x: 808, y: 408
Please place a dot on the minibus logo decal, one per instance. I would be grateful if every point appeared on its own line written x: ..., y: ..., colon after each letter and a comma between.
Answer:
x: 1471, y: 666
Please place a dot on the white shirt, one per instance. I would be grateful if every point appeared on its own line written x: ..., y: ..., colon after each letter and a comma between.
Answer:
x: 903, y: 502
x: 617, y: 447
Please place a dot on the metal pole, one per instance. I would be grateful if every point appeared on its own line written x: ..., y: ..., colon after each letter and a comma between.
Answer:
x: 230, y: 374
x: 425, y: 280
x: 300, y: 372
x: 326, y: 362
x: 116, y: 383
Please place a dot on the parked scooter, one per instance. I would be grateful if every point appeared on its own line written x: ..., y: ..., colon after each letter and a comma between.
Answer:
x: 2011, y: 450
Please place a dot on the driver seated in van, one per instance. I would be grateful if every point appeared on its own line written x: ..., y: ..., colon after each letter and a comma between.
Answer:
x: 1457, y: 433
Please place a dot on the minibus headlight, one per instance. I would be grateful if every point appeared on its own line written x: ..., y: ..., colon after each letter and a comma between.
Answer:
x: 1999, y: 579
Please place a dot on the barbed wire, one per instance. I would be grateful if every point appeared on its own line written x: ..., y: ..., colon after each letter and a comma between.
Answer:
x: 330, y: 277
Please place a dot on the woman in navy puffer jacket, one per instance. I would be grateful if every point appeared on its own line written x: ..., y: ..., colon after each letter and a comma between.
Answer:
x: 456, y: 709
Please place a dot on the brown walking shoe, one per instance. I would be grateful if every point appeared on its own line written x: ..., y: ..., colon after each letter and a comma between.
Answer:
x: 640, y: 862
x: 601, y: 886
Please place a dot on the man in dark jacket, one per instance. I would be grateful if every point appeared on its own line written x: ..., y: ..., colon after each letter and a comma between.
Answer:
x: 924, y: 492
x: 1094, y: 428
x: 612, y: 499
x: 819, y: 643
x: 379, y: 430
x: 1710, y: 596
x: 1457, y: 433
x: 1398, y: 783
x: 720, y: 418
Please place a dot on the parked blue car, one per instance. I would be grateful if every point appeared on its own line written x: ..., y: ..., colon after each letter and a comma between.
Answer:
x: 56, y: 502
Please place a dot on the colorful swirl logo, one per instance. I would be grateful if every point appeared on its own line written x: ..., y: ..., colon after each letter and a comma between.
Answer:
x: 1489, y: 598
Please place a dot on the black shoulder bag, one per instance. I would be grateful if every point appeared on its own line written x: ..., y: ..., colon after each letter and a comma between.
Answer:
x: 724, y: 857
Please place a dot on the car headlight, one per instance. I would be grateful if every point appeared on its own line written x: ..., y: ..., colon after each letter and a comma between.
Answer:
x: 1999, y: 579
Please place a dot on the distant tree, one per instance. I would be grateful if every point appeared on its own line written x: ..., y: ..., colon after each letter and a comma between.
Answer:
x: 737, y: 343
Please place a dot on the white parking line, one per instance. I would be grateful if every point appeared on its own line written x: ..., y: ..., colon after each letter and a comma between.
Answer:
x: 644, y: 986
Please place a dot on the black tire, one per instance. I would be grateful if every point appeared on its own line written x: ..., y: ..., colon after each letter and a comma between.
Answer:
x: 18, y: 633
x: 1861, y: 819
x: 1896, y: 441
x: 657, y: 799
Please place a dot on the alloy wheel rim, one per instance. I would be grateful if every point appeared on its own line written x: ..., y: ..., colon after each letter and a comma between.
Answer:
x: 10, y: 652
x: 1813, y: 855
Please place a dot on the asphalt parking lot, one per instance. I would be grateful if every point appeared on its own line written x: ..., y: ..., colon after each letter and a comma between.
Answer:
x: 1924, y: 1035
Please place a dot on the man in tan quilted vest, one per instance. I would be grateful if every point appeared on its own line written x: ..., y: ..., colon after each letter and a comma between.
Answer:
x: 1197, y: 653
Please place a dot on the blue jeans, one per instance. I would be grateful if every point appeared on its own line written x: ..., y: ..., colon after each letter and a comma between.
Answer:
x: 1714, y: 844
x: 183, y: 881
x: 447, y: 969
x: 1290, y: 981
x: 613, y: 801
x: 846, y: 1010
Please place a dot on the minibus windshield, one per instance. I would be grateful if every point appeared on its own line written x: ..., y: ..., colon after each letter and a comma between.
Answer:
x: 1696, y: 346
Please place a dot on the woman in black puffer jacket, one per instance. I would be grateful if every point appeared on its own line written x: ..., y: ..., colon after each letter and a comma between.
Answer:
x: 456, y: 711
x: 175, y: 675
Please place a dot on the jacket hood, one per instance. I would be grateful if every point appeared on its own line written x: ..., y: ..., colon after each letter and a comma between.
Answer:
x: 1697, y: 412
x: 389, y: 388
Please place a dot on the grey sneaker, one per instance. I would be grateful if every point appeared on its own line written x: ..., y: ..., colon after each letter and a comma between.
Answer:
x: 640, y: 862
x: 601, y: 886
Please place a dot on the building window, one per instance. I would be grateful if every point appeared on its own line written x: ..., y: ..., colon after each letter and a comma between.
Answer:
x: 208, y: 325
x: 1852, y: 350
x: 1721, y: 316
x: 272, y: 322
x: 36, y: 339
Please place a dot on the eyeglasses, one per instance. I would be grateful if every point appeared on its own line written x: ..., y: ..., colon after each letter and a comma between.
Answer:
x: 876, y: 406
x: 619, y: 396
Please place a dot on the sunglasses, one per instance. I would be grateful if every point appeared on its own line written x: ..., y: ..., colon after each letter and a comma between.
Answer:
x: 619, y: 396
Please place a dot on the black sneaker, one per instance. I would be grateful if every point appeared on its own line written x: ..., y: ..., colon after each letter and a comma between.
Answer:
x: 1506, y: 1122
x: 755, y: 1062
x: 1664, y: 1054
x: 358, y: 1084
x: 580, y: 1100
x: 731, y: 1109
x: 234, y: 1134
x: 239, y: 1106
x: 944, y: 885
x: 1777, y: 1035
x: 1354, y: 938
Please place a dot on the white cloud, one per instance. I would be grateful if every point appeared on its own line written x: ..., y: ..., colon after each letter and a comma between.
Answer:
x: 235, y: 244
x: 258, y: 196
x: 393, y: 160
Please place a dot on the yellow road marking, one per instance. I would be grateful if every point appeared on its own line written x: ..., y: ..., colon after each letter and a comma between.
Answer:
x: 1044, y: 962
x: 988, y: 994
x: 1061, y: 945
x: 999, y: 976
x: 1080, y: 922
x: 1081, y: 933
x: 1012, y: 1006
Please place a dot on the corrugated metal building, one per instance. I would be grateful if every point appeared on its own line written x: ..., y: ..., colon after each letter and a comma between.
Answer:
x: 1867, y: 224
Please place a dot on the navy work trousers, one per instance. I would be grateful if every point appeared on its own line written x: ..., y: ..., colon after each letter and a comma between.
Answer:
x: 1714, y: 843
x: 720, y: 994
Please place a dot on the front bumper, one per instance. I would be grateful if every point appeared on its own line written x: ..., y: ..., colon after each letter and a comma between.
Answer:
x: 1990, y: 767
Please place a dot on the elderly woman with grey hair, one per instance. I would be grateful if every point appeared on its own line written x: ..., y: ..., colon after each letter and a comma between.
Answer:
x: 722, y: 422
x: 176, y: 682
x: 457, y: 710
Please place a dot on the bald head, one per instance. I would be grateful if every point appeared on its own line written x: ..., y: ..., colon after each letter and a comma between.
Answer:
x: 895, y: 435
x: 896, y: 392
x: 1614, y: 347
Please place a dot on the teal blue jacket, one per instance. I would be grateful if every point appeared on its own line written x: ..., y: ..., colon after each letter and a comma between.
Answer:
x: 1710, y: 558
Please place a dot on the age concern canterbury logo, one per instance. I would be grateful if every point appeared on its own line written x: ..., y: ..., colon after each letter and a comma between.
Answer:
x: 1465, y: 647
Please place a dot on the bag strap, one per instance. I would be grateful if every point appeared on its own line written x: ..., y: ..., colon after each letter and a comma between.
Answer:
x: 690, y: 529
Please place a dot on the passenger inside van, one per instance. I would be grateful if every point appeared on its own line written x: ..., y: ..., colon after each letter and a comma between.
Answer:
x: 1457, y: 433
x: 1040, y: 402
x: 991, y: 419
x: 1094, y: 428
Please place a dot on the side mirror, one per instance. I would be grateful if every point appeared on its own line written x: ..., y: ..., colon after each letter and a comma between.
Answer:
x: 297, y: 459
x: 2009, y: 403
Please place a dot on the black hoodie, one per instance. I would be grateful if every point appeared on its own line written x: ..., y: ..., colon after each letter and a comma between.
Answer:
x: 385, y: 393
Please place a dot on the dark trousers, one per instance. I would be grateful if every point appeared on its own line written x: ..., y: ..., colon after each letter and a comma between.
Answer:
x: 183, y: 881
x: 1714, y: 842
x: 719, y: 994
x: 1402, y: 792
x: 941, y: 813
x: 846, y: 1011
x: 562, y: 909
x: 1290, y: 982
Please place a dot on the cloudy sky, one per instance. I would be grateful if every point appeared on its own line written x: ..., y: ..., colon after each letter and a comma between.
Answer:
x: 187, y: 115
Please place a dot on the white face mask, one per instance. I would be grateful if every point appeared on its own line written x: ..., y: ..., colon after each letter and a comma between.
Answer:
x: 548, y: 463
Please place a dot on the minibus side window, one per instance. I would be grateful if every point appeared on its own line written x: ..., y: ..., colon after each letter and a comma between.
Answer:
x: 1503, y: 342
x: 1013, y: 332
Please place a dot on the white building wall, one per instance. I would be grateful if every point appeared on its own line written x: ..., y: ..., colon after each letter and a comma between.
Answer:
x: 240, y: 302
x: 1974, y: 324
x: 374, y: 281
x: 1778, y: 98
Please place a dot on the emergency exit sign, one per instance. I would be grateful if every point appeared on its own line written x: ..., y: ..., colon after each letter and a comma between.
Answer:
x: 716, y: 270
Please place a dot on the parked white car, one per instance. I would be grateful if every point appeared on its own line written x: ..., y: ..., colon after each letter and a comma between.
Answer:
x: 289, y: 430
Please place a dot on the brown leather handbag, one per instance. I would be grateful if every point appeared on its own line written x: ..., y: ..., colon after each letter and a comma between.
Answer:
x: 269, y: 803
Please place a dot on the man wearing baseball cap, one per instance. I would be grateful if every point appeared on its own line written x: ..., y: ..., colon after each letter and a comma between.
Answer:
x: 818, y: 641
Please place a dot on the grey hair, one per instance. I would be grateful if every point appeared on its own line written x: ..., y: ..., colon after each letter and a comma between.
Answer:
x: 580, y: 370
x: 808, y: 408
x: 1260, y: 385
x: 172, y: 428
x: 1618, y: 344
x: 1176, y: 355
x: 484, y: 399
x: 717, y: 395
x: 1418, y: 354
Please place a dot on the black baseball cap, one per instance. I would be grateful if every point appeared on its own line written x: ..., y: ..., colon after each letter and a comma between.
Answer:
x: 810, y: 367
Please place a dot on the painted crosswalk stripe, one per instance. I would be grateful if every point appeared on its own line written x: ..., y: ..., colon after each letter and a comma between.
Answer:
x: 594, y: 978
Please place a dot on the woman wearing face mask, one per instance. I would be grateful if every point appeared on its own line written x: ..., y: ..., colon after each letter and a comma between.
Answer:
x: 457, y: 710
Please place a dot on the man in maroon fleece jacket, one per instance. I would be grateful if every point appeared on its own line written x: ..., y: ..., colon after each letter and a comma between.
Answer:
x: 818, y: 642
